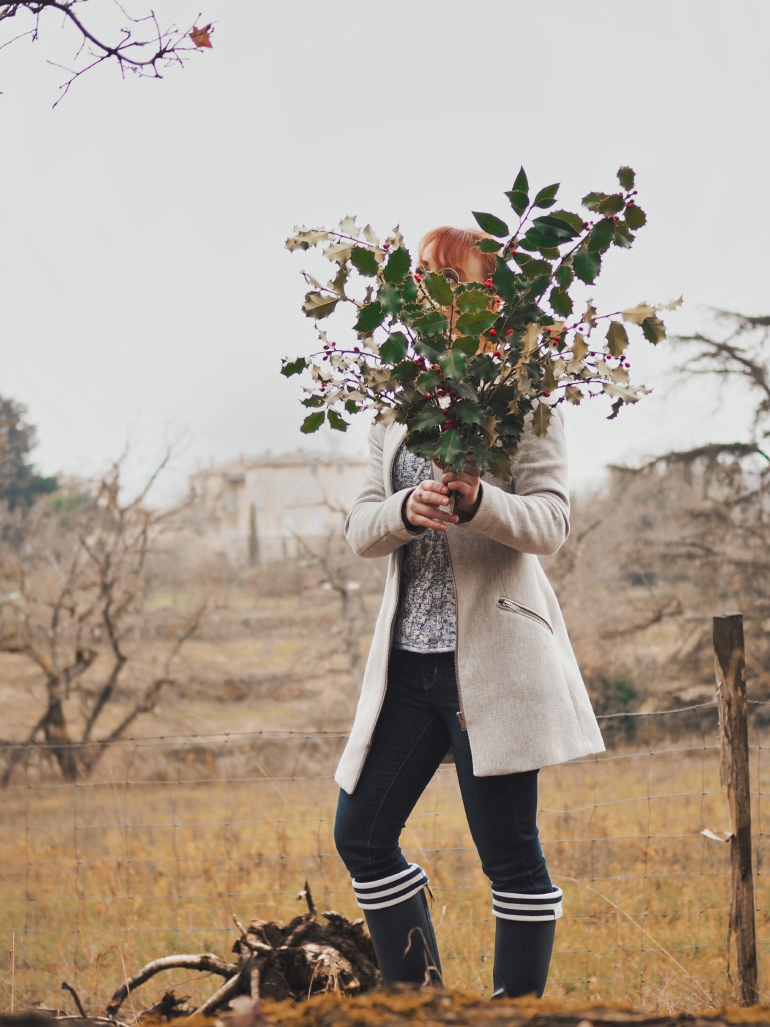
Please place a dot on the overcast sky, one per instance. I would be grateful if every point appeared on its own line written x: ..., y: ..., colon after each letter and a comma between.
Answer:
x: 146, y: 291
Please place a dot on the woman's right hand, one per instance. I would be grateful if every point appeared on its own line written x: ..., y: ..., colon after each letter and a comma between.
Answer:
x: 421, y: 508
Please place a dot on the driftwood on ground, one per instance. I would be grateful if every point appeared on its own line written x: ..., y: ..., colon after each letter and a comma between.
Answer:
x: 278, y: 961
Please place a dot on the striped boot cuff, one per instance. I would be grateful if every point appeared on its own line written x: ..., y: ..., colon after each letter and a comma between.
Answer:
x: 516, y: 906
x: 389, y: 891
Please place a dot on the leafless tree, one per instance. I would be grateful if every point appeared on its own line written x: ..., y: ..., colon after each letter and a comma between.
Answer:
x: 332, y: 558
x: 139, y: 45
x: 681, y: 537
x: 72, y: 588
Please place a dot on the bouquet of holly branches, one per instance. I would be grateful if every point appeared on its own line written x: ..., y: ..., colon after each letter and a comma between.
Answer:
x: 463, y: 364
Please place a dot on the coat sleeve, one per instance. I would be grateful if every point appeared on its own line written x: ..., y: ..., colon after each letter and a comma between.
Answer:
x: 374, y: 526
x: 534, y: 519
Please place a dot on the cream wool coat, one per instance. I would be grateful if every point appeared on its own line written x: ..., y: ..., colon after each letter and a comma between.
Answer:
x: 522, y: 697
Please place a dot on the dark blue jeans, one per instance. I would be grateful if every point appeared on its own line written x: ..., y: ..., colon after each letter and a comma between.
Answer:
x: 417, y: 726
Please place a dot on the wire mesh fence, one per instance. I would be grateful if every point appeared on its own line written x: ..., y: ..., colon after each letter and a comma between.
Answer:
x: 155, y: 853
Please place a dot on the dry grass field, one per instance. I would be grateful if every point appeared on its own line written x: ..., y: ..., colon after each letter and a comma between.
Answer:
x: 223, y: 803
x: 155, y: 855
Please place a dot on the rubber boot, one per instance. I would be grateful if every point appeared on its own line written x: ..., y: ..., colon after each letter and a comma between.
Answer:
x: 405, y: 942
x: 522, y: 957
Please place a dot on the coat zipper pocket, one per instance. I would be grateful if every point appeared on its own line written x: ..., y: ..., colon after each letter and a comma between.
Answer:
x: 524, y: 611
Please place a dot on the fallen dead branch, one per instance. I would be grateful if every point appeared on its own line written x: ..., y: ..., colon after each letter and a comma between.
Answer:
x: 278, y: 961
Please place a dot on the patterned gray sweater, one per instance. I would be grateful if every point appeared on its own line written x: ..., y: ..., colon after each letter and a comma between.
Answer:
x: 426, y: 617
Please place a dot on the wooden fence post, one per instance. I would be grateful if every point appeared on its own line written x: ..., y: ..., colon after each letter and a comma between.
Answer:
x: 734, y: 773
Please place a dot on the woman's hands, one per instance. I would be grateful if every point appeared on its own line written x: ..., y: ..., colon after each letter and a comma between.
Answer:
x: 421, y: 508
x: 466, y: 487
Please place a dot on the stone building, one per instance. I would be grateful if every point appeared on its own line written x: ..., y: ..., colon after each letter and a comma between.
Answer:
x: 257, y: 507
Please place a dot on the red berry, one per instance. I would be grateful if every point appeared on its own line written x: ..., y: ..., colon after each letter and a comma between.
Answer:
x: 417, y: 278
x: 488, y: 283
x: 386, y: 246
x: 546, y: 393
x: 509, y: 332
x: 492, y: 331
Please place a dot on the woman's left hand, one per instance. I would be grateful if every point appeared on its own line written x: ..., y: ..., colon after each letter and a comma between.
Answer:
x: 466, y: 486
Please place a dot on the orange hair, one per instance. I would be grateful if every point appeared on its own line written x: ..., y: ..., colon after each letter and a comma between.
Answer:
x: 452, y: 248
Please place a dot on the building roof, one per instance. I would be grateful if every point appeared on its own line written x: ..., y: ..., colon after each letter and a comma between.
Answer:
x: 298, y: 458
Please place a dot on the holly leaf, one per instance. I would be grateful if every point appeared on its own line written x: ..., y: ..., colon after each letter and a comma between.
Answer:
x: 564, y: 276
x: 529, y: 340
x: 521, y: 184
x: 635, y: 217
x: 398, y: 264
x: 579, y: 353
x: 370, y: 317
x: 560, y: 302
x: 518, y: 200
x: 534, y: 268
x: 504, y: 281
x: 557, y: 228
x: 476, y: 322
x: 626, y: 177
x: 572, y: 219
x: 439, y: 289
x: 546, y: 197
x: 617, y: 338
x: 453, y: 363
x: 490, y: 224
x: 451, y: 448
x: 318, y: 305
x: 394, y: 349
x: 336, y: 422
x: 573, y: 394
x: 427, y: 381
x: 424, y: 348
x: 290, y: 367
x: 541, y: 420
x: 428, y: 417
x: 592, y: 200
x: 500, y: 465
x: 370, y: 235
x: 467, y: 344
x: 601, y: 235
x: 622, y: 235
x: 313, y: 422
x: 548, y: 381
x: 432, y: 322
x: 638, y: 313
x: 625, y: 393
x: 487, y: 245
x: 348, y: 226
x: 473, y: 299
x: 654, y: 330
x: 364, y: 261
x: 391, y: 298
x: 611, y: 204
x: 338, y: 251
x: 469, y: 413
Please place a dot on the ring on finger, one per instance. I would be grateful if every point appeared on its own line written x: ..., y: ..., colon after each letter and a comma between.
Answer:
x: 419, y: 493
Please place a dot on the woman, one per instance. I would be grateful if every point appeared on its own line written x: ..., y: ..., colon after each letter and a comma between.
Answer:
x: 470, y: 654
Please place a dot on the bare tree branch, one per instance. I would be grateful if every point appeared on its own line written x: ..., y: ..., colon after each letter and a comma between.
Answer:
x: 142, y: 48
